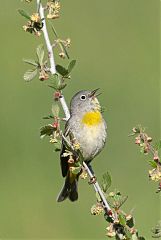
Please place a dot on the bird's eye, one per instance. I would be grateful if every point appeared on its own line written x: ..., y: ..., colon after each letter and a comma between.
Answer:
x: 83, y: 97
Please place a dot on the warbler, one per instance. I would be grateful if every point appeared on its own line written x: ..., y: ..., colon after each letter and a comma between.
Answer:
x: 88, y: 127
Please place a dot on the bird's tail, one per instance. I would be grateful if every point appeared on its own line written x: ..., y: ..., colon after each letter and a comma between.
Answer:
x: 69, y: 190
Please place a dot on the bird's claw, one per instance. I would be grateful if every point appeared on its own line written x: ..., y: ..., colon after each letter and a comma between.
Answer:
x: 92, y: 180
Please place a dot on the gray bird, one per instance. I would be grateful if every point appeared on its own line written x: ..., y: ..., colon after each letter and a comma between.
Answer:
x: 87, y: 126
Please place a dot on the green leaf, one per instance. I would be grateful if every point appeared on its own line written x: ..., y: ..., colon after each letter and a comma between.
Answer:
x: 152, y: 163
x: 55, y: 81
x: 108, y: 218
x: 158, y: 145
x: 106, y: 182
x: 30, y: 74
x: 122, y: 219
x: 31, y: 62
x: 61, y: 70
x: 46, y: 130
x: 40, y: 53
x: 55, y: 109
x: 48, y: 117
x: 128, y: 234
x: 98, y: 197
x: 62, y: 86
x: 24, y: 14
x: 54, y: 31
x: 71, y: 65
x: 76, y: 170
x: 65, y: 50
x: 130, y: 222
x: 57, y: 146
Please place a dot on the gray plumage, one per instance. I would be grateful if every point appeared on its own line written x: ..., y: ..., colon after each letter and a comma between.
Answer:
x: 91, y: 138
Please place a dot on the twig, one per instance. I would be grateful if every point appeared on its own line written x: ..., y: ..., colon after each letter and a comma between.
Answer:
x: 46, y: 37
x: 95, y: 184
x: 51, y: 56
x: 63, y: 102
x: 65, y: 107
x: 98, y: 189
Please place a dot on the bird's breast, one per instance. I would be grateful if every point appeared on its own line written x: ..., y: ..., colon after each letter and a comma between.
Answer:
x: 90, y: 133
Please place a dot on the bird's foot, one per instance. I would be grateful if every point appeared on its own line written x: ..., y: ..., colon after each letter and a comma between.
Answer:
x: 92, y: 180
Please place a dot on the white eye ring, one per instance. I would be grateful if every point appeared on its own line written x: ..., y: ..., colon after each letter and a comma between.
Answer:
x: 83, y: 97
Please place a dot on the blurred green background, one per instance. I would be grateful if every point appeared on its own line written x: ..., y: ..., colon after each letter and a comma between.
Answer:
x: 116, y: 44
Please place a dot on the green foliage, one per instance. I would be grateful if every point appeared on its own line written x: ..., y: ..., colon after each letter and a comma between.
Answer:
x: 61, y: 70
x: 31, y: 62
x: 54, y: 31
x: 64, y: 72
x: 56, y: 82
x: 30, y: 74
x: 71, y: 65
x: 152, y: 163
x: 55, y: 109
x: 106, y: 182
x: 76, y: 170
x: 46, y: 131
x: 40, y: 54
x: 122, y: 219
x: 65, y: 50
x: 48, y: 117
x: 24, y: 14
x: 157, y: 230
x: 57, y: 146
x: 158, y: 145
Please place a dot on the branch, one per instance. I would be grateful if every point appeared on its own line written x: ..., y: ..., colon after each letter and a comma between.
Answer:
x: 63, y: 102
x: 46, y: 37
x: 51, y: 56
x: 97, y: 188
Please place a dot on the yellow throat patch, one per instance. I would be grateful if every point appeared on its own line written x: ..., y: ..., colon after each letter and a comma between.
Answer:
x: 92, y: 118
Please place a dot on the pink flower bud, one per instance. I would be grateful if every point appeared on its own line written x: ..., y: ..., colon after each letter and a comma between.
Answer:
x: 55, y: 125
x: 137, y: 140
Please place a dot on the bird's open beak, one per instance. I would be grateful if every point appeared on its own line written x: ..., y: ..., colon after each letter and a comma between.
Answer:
x: 94, y: 93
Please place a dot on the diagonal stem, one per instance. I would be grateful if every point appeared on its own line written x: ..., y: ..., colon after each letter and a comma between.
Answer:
x: 63, y: 102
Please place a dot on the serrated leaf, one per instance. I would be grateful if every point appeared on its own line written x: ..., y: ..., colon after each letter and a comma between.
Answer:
x: 106, y: 182
x: 31, y: 62
x: 24, y: 14
x: 46, y: 130
x: 40, y: 53
x: 30, y: 74
x: 152, y: 163
x: 71, y: 65
x: 61, y: 70
x: 55, y: 109
x: 122, y: 219
x: 55, y: 81
x: 65, y: 50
